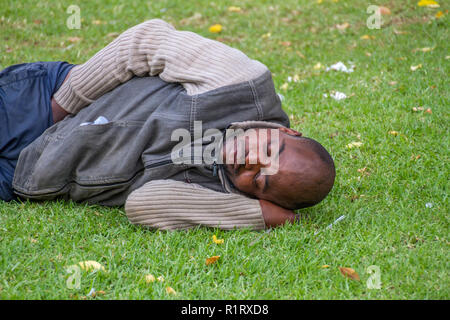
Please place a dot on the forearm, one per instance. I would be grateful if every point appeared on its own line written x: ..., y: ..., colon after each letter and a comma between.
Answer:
x: 57, y: 111
x: 156, y: 48
x: 172, y: 205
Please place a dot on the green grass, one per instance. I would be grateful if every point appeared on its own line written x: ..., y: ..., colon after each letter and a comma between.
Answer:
x: 387, y: 222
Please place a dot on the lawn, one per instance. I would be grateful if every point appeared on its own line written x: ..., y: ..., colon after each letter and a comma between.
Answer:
x: 389, y: 139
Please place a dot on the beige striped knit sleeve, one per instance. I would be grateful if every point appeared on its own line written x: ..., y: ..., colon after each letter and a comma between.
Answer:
x: 156, y: 48
x: 172, y: 205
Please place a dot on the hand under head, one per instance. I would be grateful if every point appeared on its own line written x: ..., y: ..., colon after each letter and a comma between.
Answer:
x: 304, y: 176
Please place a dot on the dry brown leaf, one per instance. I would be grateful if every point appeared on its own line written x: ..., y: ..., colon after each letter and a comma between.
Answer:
x: 149, y: 278
x: 113, y: 34
x: 196, y: 16
x: 212, y: 260
x: 364, y: 171
x: 97, y: 293
x: 398, y: 32
x: 170, y: 290
x: 301, y: 55
x: 74, y: 39
x: 384, y: 10
x: 349, y: 273
x: 91, y: 265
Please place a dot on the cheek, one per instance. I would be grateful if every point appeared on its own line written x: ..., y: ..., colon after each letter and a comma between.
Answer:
x: 244, y: 183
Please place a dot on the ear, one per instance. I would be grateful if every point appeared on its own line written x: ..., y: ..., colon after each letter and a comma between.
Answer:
x: 290, y: 131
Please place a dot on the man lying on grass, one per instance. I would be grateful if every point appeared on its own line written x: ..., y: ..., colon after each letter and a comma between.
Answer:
x: 103, y: 132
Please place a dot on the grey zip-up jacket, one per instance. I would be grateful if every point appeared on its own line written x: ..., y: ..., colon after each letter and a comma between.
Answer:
x: 104, y: 163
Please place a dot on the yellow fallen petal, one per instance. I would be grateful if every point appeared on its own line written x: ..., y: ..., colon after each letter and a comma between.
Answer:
x: 426, y: 49
x: 428, y: 3
x: 367, y: 37
x: 354, y: 144
x: 325, y: 266
x: 216, y: 28
x: 170, y: 290
x: 317, y: 66
x: 217, y: 241
x: 394, y: 133
x: 319, y: 1
x: 91, y: 265
x: 439, y: 14
x: 149, y: 278
x: 234, y: 9
x: 284, y: 86
x: 160, y: 279
x: 414, y: 68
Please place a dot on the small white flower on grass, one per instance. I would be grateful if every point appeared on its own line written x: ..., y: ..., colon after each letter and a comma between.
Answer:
x: 339, y: 66
x: 338, y: 95
x: 429, y: 205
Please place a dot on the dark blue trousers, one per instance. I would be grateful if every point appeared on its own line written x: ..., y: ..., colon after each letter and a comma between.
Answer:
x: 25, y: 111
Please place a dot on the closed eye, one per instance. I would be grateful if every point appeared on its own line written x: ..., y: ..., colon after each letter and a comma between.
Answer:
x: 255, y: 178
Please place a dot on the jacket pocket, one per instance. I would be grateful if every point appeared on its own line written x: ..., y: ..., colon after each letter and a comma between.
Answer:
x: 89, y: 156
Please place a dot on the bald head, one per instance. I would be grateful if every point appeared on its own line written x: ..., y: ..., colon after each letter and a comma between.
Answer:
x: 312, y: 174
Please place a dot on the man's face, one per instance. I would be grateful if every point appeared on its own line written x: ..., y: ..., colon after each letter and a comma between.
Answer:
x: 250, y: 175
